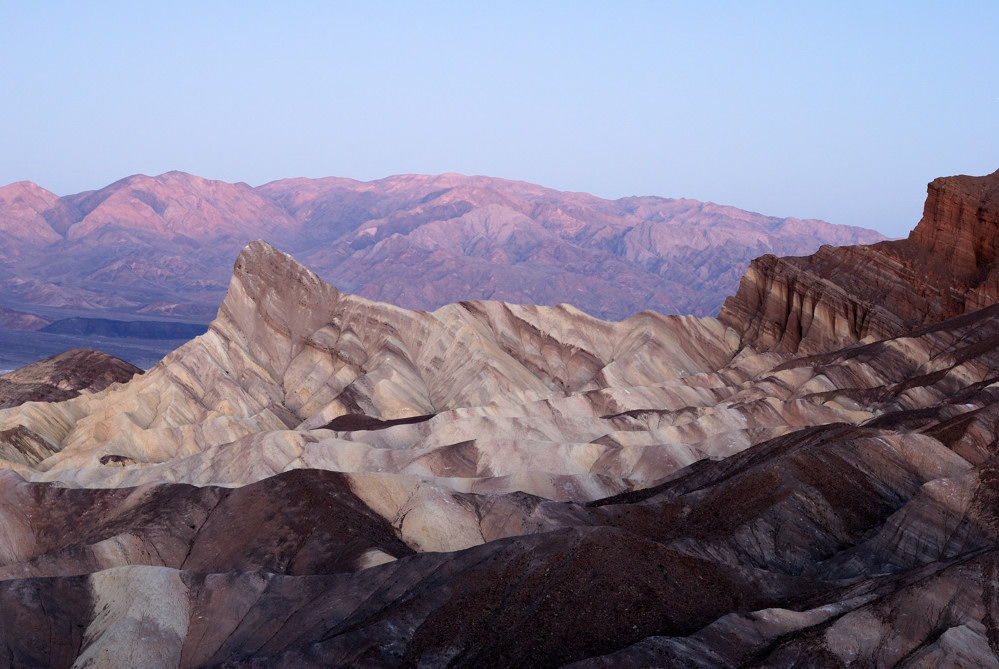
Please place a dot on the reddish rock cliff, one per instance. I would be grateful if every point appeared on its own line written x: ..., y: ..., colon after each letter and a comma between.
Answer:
x: 960, y: 231
x: 949, y: 265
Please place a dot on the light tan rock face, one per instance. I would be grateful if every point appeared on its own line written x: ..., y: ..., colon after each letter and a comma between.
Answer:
x: 838, y: 296
x: 421, y: 408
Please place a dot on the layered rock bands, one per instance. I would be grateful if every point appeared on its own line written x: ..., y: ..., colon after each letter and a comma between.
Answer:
x: 838, y: 296
x: 323, y: 480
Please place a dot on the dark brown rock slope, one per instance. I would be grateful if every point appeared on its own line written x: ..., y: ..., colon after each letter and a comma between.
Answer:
x: 63, y: 376
x: 837, y: 296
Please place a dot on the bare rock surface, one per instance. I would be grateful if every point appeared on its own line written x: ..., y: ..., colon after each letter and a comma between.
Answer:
x: 63, y: 376
x: 838, y: 296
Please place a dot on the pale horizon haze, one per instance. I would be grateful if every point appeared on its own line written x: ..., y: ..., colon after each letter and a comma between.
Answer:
x: 838, y: 111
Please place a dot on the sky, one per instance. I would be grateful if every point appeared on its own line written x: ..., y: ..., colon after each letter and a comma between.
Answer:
x: 841, y: 111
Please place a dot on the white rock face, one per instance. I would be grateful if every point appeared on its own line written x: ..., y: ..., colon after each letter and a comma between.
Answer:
x: 141, y: 621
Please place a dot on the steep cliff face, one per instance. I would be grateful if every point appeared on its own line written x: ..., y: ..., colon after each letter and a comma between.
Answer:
x: 949, y: 265
x: 960, y: 224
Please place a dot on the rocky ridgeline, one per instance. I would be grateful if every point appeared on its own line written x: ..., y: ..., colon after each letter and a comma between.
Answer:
x: 162, y: 246
x: 838, y: 296
x: 63, y: 376
x: 498, y: 485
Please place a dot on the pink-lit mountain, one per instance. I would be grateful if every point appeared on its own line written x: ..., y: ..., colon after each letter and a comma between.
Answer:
x: 161, y: 246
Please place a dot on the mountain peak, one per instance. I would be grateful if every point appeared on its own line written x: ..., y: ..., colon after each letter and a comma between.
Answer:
x: 31, y: 213
x: 179, y: 204
x: 270, y: 295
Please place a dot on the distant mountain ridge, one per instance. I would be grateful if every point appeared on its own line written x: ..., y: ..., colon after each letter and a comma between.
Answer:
x: 162, y: 246
x: 105, y: 327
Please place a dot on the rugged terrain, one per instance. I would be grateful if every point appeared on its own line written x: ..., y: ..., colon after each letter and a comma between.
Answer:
x: 947, y: 266
x: 63, y: 376
x: 325, y: 480
x: 160, y: 248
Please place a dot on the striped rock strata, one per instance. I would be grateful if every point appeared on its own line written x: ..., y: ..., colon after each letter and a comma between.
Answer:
x: 949, y: 265
x: 321, y: 480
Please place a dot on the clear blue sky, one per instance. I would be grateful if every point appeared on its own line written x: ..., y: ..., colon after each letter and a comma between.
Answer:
x: 834, y: 110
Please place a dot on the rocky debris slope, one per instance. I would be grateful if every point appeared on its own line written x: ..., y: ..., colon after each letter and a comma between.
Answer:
x: 837, y: 296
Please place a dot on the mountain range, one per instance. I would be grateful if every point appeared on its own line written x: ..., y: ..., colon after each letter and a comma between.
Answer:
x: 325, y: 480
x: 159, y: 248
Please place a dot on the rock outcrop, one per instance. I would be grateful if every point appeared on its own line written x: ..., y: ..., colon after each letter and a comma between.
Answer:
x: 838, y: 296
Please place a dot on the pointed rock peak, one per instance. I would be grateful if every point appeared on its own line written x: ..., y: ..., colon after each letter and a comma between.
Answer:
x: 271, y: 288
x: 27, y: 189
x: 259, y: 261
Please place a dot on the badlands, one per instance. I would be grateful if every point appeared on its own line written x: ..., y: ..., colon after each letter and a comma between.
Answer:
x: 324, y: 480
